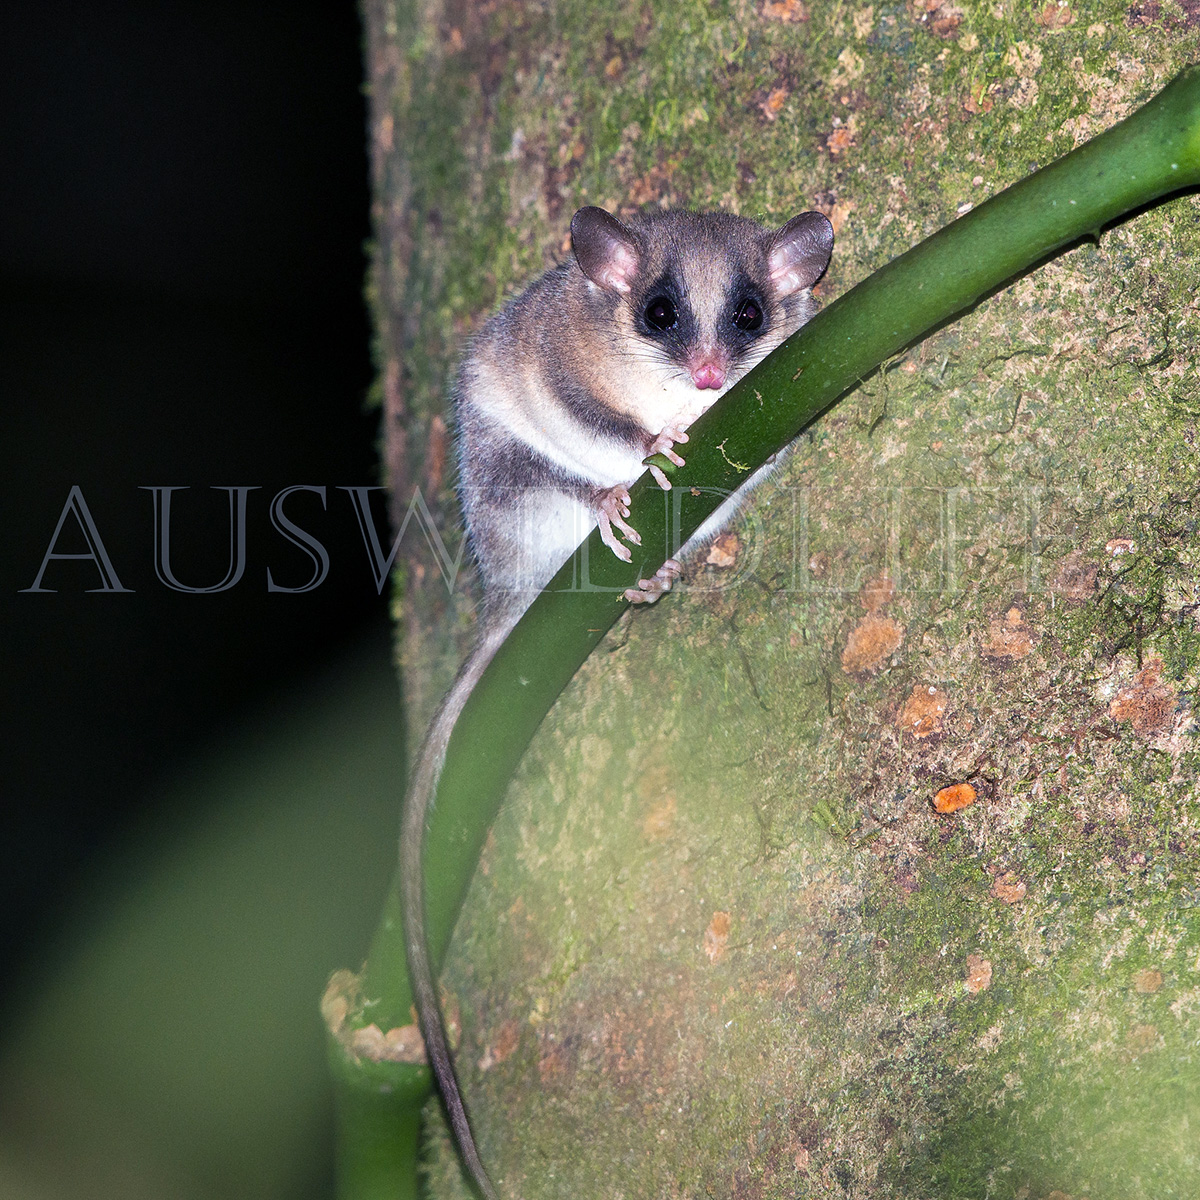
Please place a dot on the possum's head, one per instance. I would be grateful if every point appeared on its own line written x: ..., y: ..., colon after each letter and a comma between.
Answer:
x: 703, y: 297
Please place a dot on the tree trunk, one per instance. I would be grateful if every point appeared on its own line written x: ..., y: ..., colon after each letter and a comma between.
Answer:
x: 721, y: 942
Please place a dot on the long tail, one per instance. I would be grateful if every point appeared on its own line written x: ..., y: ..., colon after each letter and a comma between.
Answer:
x: 412, y: 881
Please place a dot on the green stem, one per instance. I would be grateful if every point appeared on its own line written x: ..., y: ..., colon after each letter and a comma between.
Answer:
x: 1154, y: 152
x: 378, y: 1130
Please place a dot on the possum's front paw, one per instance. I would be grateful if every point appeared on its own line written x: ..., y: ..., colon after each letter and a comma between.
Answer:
x: 649, y: 590
x: 612, y: 507
x: 664, y: 444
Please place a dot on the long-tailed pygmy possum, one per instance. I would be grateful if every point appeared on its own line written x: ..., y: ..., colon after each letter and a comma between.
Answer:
x: 600, y: 363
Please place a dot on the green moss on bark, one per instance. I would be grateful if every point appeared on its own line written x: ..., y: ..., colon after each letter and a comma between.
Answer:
x: 1000, y: 1002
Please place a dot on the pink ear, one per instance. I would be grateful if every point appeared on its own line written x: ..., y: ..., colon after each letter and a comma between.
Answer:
x: 606, y: 250
x: 799, y: 253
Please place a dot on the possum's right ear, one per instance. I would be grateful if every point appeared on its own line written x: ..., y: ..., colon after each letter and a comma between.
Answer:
x: 799, y: 253
x: 606, y: 250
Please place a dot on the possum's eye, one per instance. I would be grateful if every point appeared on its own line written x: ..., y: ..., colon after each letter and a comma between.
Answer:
x: 660, y: 313
x: 748, y: 316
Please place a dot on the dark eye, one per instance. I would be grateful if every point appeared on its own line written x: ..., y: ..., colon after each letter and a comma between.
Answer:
x: 748, y: 316
x: 660, y: 313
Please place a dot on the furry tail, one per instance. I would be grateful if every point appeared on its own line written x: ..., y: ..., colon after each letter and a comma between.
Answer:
x: 412, y: 882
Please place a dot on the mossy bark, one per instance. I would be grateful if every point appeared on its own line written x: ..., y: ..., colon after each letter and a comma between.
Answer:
x: 720, y: 942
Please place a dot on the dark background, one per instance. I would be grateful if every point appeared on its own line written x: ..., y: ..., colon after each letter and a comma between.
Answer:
x: 183, y: 211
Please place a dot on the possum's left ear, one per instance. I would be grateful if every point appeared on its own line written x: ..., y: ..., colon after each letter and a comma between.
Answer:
x: 606, y: 250
x: 799, y: 253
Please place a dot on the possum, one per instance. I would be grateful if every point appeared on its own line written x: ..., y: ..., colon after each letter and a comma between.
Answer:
x: 599, y: 364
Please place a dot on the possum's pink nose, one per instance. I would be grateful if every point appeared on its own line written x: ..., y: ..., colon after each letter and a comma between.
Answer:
x: 708, y: 375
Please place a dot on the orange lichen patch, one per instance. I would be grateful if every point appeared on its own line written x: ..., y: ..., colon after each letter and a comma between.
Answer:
x: 502, y: 1045
x: 1148, y: 704
x: 660, y: 819
x: 1075, y: 578
x: 1147, y: 982
x: 785, y: 10
x: 979, y: 974
x: 1056, y: 16
x: 877, y: 592
x: 1009, y: 637
x: 922, y: 713
x: 716, y: 936
x: 841, y: 139
x: 943, y: 19
x: 775, y: 100
x: 1009, y: 888
x: 951, y: 799
x: 724, y: 551
x: 870, y: 644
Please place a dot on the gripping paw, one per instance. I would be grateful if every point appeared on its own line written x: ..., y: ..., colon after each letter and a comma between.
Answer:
x: 649, y: 590
x: 664, y: 444
x: 612, y: 507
